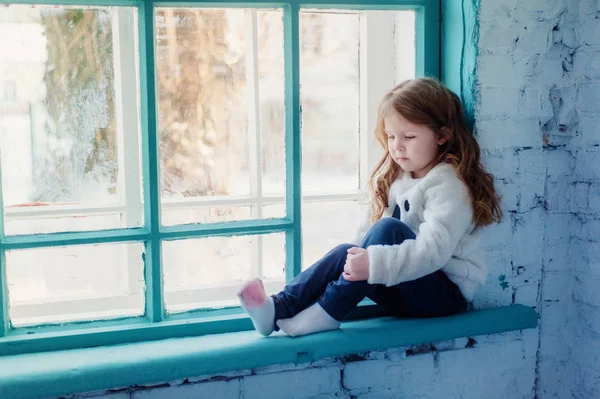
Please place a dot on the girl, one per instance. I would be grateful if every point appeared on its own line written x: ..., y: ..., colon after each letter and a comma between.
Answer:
x: 418, y: 251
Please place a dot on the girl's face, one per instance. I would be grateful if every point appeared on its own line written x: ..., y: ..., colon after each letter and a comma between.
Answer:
x: 413, y: 147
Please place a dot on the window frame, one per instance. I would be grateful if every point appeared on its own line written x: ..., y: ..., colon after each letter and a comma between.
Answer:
x: 156, y: 323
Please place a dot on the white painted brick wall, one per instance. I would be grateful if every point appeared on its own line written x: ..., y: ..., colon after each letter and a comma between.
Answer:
x: 499, y: 366
x: 538, y: 124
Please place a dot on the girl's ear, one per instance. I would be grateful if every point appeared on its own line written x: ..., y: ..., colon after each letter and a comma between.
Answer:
x: 443, y: 136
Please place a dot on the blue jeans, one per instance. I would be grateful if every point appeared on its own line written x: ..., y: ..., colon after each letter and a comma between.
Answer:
x: 429, y: 296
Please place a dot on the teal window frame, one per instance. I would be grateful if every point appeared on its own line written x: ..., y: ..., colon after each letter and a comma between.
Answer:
x: 156, y: 323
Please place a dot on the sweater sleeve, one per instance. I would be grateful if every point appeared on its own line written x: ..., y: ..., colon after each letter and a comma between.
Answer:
x: 447, y: 216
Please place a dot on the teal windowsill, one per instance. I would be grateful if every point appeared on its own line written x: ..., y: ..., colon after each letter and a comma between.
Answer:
x: 52, y: 374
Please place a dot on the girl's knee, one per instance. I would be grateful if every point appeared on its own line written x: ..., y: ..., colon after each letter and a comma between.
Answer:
x: 389, y: 225
x: 342, y: 249
x: 390, y: 228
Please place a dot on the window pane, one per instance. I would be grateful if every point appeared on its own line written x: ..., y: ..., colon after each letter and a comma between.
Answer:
x: 341, y: 219
x: 208, y: 272
x: 205, y: 215
x: 87, y: 282
x: 271, y: 92
x: 72, y: 92
x: 404, y: 28
x: 329, y: 76
x: 208, y: 95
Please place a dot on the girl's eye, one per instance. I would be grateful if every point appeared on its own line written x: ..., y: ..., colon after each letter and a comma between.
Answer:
x: 409, y: 137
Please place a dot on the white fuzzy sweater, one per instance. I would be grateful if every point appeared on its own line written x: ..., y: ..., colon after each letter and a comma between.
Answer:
x: 438, y: 209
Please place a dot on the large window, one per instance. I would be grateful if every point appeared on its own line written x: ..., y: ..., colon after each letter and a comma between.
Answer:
x: 155, y: 155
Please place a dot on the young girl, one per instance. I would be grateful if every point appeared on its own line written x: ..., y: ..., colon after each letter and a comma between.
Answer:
x: 418, y: 251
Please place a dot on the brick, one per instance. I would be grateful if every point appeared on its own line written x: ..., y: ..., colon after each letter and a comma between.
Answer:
x: 501, y: 163
x: 585, y: 63
x: 556, y: 286
x: 590, y: 32
x: 588, y: 97
x: 586, y: 351
x: 498, y: 67
x: 559, y: 163
x: 510, y: 195
x: 461, y: 364
x: 585, y: 382
x: 216, y: 389
x: 589, y: 316
x: 492, y: 294
x: 413, y: 371
x: 557, y: 195
x: 586, y: 290
x: 589, y: 126
x: 293, y: 384
x: 594, y: 198
x: 499, y: 34
x: 493, y: 10
x: 500, y: 133
x: 532, y: 35
x: 588, y: 230
x: 499, y: 101
x: 555, y: 317
x: 498, y: 236
x: 585, y: 257
x: 554, y: 380
x: 558, y: 227
x: 531, y: 164
x: 527, y: 294
x: 589, y: 9
x: 529, y: 238
x: 552, y: 346
x: 557, y: 257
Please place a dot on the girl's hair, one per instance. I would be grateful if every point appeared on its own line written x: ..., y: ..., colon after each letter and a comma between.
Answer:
x: 426, y: 101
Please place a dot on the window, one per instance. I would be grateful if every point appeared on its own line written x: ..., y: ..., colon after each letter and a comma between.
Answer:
x: 167, y: 154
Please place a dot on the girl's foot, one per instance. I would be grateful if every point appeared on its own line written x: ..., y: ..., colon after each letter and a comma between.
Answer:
x: 311, y: 320
x: 259, y: 306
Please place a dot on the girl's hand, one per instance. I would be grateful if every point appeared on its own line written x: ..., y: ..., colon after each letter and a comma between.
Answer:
x: 357, y: 265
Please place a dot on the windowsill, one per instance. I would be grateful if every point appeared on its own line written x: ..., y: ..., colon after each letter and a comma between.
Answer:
x: 52, y: 374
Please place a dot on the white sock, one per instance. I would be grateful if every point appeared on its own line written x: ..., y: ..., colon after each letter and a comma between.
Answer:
x: 311, y: 320
x: 259, y: 305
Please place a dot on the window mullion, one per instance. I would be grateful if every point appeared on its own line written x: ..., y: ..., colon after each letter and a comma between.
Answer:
x: 376, y: 77
x: 153, y: 267
x: 254, y: 143
x: 293, y: 153
x: 127, y: 144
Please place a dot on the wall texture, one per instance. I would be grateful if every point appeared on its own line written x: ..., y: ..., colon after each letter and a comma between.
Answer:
x: 537, y: 109
x: 538, y: 114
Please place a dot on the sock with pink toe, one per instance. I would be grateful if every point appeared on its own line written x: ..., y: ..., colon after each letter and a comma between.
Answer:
x: 259, y: 305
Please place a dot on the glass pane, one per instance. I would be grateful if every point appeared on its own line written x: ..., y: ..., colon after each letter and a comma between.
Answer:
x: 210, y: 89
x: 76, y: 283
x: 404, y: 29
x: 205, y: 215
x: 329, y: 76
x: 208, y: 272
x: 271, y: 92
x: 341, y: 219
x: 69, y: 80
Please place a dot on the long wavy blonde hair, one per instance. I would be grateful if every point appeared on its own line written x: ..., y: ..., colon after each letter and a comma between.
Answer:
x: 426, y: 101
